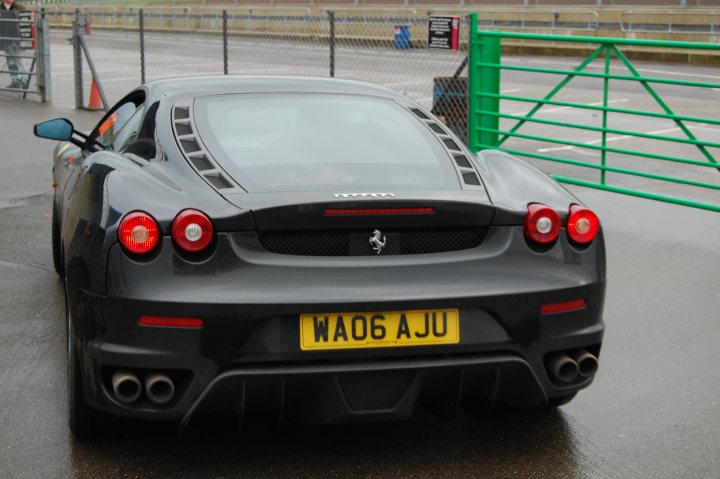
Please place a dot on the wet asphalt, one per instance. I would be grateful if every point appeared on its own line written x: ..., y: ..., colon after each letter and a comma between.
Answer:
x: 653, y: 410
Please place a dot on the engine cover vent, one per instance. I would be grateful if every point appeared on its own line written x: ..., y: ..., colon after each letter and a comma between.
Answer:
x: 195, y: 152
x: 465, y: 171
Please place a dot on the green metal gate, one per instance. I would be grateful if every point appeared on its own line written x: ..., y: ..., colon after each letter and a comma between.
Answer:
x: 485, y: 117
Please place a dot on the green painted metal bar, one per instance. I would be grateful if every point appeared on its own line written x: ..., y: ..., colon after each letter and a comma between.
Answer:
x: 640, y: 194
x: 482, y: 134
x: 621, y: 151
x: 599, y: 40
x: 560, y: 71
x: 662, y: 103
x: 555, y: 90
x: 709, y: 121
x: 484, y: 81
x: 614, y: 131
x: 613, y: 169
x: 606, y: 94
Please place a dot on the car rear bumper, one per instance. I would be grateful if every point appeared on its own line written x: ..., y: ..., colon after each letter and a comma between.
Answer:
x: 247, y: 355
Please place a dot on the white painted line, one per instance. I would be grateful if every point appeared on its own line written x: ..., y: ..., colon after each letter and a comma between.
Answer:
x: 511, y: 90
x: 612, y: 138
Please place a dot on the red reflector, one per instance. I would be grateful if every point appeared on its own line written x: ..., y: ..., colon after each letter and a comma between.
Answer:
x: 170, y: 322
x: 563, y: 307
x: 382, y: 211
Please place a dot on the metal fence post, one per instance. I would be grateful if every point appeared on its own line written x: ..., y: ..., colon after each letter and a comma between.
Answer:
x: 331, y: 18
x: 141, y: 30
x: 483, y: 89
x: 77, y: 60
x: 44, y: 85
x: 225, y: 41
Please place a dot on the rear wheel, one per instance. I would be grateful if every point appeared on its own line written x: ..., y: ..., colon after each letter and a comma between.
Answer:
x: 56, y: 245
x: 84, y: 421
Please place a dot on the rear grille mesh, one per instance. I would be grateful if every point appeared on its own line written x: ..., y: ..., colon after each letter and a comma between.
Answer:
x: 357, y: 242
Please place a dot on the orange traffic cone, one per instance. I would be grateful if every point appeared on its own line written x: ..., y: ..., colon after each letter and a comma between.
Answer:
x: 95, y: 100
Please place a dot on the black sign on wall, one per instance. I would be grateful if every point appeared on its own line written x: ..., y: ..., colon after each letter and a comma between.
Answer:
x: 443, y: 32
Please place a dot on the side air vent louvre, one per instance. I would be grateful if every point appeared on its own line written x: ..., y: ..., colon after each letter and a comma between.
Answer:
x: 194, y: 151
x: 189, y: 146
x: 471, y: 179
x: 451, y: 144
x: 182, y: 113
x: 436, y: 128
x: 201, y: 163
x: 419, y: 114
x: 463, y: 166
x: 183, y: 129
x: 462, y: 161
x: 218, y: 181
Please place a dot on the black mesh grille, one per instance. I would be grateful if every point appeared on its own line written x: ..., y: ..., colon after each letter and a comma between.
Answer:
x: 419, y: 113
x: 471, y: 179
x: 462, y: 160
x: 182, y: 113
x: 218, y: 181
x: 436, y: 128
x: 190, y: 146
x: 201, y: 163
x: 183, y: 129
x: 357, y: 242
x: 451, y: 144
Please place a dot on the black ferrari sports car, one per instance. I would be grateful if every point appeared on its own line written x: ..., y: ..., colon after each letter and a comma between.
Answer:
x: 315, y: 249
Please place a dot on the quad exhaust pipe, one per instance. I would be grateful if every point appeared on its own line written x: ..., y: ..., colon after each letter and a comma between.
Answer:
x: 566, y: 367
x: 126, y: 386
x: 159, y: 388
x: 587, y: 363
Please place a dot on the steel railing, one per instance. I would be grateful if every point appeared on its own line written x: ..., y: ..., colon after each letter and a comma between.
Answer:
x: 26, y: 59
x: 674, y: 22
x: 486, y: 130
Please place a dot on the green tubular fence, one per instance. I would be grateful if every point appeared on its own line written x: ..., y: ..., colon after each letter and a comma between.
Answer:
x: 484, y: 114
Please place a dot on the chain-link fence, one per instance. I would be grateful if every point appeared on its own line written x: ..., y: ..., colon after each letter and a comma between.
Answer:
x: 380, y: 46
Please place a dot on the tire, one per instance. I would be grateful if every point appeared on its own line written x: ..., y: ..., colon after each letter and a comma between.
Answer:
x: 84, y: 421
x: 558, y: 401
x: 57, y: 246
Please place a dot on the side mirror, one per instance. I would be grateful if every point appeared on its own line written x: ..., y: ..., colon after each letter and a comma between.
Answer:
x: 58, y: 129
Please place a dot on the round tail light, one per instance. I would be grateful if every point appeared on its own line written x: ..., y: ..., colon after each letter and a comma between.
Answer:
x: 192, y: 230
x: 542, y: 223
x: 138, y: 232
x: 583, y: 225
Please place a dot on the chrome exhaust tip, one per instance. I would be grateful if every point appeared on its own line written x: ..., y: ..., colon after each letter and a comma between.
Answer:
x: 160, y: 388
x: 587, y: 363
x: 126, y: 386
x: 562, y: 367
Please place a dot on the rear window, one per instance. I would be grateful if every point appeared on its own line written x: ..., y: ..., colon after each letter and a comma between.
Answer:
x: 313, y: 141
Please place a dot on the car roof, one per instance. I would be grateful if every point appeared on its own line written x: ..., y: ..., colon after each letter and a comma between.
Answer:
x: 193, y: 86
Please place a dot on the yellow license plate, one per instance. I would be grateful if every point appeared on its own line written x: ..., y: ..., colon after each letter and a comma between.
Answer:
x: 379, y: 330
